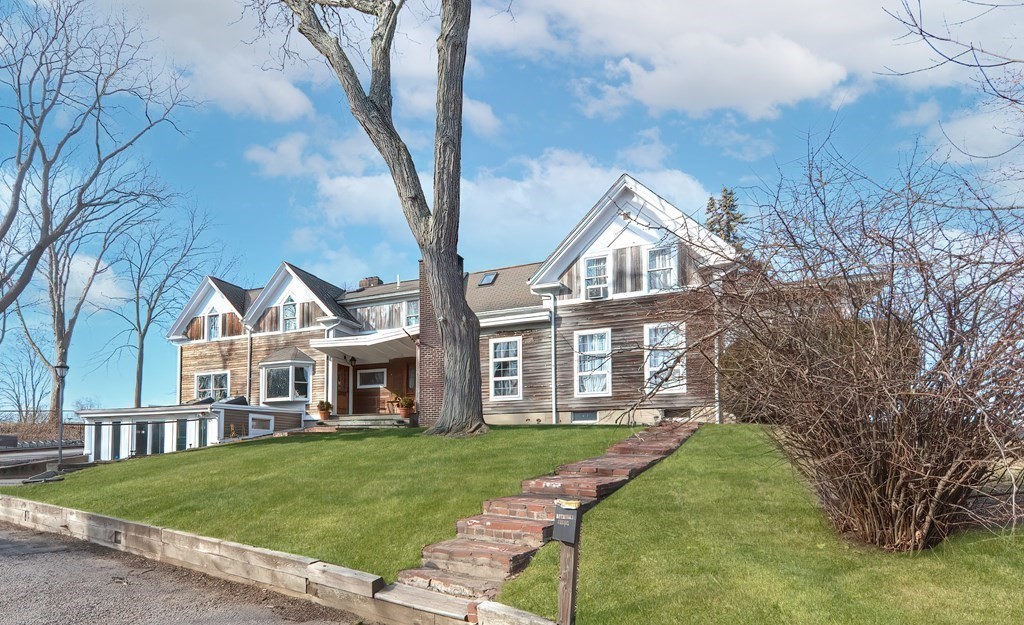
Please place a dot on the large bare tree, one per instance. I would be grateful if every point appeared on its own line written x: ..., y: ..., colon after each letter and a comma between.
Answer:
x: 434, y: 225
x: 159, y: 264
x: 25, y: 383
x: 77, y: 95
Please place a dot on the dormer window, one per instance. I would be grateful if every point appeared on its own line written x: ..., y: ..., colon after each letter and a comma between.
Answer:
x: 289, y: 315
x: 212, y: 325
x: 661, y: 269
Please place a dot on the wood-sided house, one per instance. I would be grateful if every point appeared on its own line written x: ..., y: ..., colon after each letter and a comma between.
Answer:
x: 612, y: 314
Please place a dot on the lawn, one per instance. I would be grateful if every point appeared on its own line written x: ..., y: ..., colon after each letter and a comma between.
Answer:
x: 724, y: 532
x: 366, y: 500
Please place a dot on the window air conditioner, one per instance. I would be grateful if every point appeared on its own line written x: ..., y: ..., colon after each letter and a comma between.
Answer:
x: 597, y: 292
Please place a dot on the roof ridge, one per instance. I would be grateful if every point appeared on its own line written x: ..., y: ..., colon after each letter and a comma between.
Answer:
x: 536, y: 262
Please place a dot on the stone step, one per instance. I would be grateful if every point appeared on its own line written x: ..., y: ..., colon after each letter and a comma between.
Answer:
x: 478, y: 558
x: 573, y: 485
x: 426, y: 600
x: 454, y: 584
x: 505, y: 529
x: 620, y: 466
x: 540, y: 507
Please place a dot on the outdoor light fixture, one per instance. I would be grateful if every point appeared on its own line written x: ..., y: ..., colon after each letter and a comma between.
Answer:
x: 61, y: 369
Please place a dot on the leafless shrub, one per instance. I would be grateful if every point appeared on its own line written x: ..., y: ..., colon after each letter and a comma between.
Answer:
x: 880, y: 331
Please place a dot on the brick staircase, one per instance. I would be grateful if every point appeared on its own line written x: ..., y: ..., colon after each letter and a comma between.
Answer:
x: 492, y: 547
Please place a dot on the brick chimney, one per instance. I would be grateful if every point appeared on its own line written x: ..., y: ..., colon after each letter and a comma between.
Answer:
x: 430, y: 359
x: 370, y: 281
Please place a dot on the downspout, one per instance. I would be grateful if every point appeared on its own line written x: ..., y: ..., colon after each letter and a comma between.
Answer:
x: 554, y: 360
x: 248, y: 368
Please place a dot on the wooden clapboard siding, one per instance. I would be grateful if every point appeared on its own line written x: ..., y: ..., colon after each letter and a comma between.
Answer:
x: 380, y: 316
x: 194, y: 330
x: 536, y: 371
x: 374, y: 400
x: 264, y: 345
x: 269, y: 321
x: 636, y: 269
x: 238, y: 418
x: 309, y: 312
x: 213, y: 356
x: 231, y: 325
x: 626, y: 319
x: 620, y: 269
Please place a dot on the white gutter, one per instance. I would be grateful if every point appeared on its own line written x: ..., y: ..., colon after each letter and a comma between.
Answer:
x: 554, y: 360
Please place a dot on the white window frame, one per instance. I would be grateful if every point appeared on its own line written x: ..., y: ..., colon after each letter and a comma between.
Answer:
x: 673, y: 260
x: 212, y: 313
x: 200, y: 374
x: 383, y: 384
x: 648, y: 348
x: 291, y: 366
x: 576, y: 362
x: 268, y: 417
x: 407, y: 315
x: 518, y: 340
x: 608, y: 273
x: 294, y: 303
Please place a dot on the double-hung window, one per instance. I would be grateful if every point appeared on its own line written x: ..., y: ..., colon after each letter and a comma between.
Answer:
x: 595, y: 281
x: 412, y: 312
x: 665, y: 364
x: 661, y: 269
x: 288, y: 382
x: 593, y: 362
x: 289, y: 315
x: 506, y: 368
x: 212, y: 325
x: 213, y: 385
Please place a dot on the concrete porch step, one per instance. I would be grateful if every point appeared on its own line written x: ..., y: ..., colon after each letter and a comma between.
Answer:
x: 455, y: 584
x: 503, y: 529
x: 617, y: 466
x: 426, y: 600
x: 497, y: 561
x: 574, y: 485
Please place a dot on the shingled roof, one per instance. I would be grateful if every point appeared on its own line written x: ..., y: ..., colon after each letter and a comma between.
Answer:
x: 235, y: 294
x: 509, y: 289
x: 323, y: 291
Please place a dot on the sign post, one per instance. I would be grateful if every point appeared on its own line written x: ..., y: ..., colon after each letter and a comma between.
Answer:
x: 567, y: 532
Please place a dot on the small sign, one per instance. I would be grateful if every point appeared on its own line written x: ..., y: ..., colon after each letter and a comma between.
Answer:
x: 567, y: 521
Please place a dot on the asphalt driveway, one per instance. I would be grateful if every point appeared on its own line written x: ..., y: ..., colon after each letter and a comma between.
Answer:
x: 47, y: 579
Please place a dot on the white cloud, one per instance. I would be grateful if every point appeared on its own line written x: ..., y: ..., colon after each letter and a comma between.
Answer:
x: 736, y: 143
x: 648, y: 152
x: 106, y: 289
x: 481, y: 118
x: 926, y: 113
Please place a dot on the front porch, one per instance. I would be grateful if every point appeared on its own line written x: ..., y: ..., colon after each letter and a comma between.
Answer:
x: 367, y: 373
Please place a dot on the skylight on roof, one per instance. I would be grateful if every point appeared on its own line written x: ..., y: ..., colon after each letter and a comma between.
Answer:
x: 489, y: 278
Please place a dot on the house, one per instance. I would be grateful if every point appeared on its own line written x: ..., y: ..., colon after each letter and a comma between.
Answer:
x: 612, y: 320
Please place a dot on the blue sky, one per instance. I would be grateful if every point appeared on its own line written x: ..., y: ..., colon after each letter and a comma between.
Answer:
x: 562, y: 98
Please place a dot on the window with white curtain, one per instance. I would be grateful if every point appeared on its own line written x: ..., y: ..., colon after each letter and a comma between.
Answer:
x: 506, y: 369
x: 593, y: 362
x: 661, y: 268
x: 412, y: 312
x: 595, y: 280
x: 212, y: 325
x: 665, y: 364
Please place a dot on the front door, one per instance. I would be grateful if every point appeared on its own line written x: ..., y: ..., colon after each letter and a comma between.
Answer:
x: 341, y: 406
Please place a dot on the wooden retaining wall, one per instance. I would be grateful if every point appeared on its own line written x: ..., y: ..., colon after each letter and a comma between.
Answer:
x: 362, y: 594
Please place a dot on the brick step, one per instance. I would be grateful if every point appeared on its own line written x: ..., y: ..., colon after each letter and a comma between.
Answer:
x: 573, y: 485
x: 618, y: 466
x: 454, y: 584
x: 478, y: 558
x: 637, y: 448
x: 540, y: 507
x: 505, y: 529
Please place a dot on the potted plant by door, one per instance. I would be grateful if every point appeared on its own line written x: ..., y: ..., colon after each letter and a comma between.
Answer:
x: 405, y: 406
x: 324, y: 408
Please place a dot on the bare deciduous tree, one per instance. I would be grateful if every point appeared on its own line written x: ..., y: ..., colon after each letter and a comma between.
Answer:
x: 882, y: 334
x: 325, y: 24
x: 159, y: 264
x: 24, y: 383
x: 77, y: 94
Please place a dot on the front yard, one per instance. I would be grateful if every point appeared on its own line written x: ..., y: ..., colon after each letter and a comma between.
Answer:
x: 366, y: 500
x: 724, y: 532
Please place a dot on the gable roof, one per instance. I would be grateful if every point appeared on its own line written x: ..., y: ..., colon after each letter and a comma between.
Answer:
x: 325, y: 294
x: 234, y: 294
x: 653, y: 210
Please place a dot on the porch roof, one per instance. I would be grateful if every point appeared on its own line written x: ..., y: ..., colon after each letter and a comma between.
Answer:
x: 380, y: 346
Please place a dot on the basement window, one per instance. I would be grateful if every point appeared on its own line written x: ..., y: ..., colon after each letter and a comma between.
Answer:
x: 589, y: 416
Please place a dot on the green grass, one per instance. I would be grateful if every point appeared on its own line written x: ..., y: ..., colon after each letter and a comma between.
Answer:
x: 366, y: 500
x: 724, y: 532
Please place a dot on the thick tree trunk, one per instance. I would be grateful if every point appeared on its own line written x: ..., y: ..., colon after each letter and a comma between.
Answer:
x: 461, y: 406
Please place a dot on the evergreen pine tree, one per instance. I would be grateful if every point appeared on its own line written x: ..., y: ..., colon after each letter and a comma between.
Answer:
x: 713, y: 217
x: 729, y: 217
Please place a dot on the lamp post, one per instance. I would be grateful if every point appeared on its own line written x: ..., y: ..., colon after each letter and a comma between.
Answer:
x: 62, y: 372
